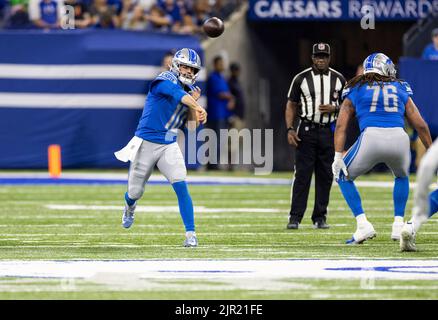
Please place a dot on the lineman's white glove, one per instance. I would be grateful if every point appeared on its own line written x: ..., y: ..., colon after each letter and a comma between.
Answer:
x: 338, y: 165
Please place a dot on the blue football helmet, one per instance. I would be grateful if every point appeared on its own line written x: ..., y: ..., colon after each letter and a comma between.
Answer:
x: 187, y: 57
x: 379, y: 63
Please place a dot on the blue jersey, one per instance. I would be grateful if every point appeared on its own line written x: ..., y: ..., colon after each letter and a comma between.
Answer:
x: 49, y: 11
x: 163, y: 112
x: 217, y: 107
x: 379, y: 106
x: 430, y: 52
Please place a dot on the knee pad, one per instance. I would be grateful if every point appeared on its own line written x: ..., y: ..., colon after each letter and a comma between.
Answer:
x: 177, y: 175
x: 135, y: 192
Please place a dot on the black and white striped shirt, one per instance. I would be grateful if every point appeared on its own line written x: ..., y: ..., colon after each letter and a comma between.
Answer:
x: 311, y: 88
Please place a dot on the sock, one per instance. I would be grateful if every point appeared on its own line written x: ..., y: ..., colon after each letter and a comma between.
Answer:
x: 418, y: 221
x: 433, y: 203
x: 185, y: 205
x: 130, y: 202
x: 190, y: 233
x: 361, y: 218
x: 351, y: 195
x: 398, y: 219
x: 400, y: 195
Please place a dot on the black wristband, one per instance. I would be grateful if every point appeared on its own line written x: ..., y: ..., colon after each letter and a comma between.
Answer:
x: 291, y: 128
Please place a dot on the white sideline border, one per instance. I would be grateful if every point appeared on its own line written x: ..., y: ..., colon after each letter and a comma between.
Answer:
x: 225, y: 269
x: 199, y: 179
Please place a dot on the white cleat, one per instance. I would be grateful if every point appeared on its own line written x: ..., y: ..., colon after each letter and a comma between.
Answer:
x: 407, y: 238
x: 191, y: 240
x: 396, y: 230
x: 363, y: 232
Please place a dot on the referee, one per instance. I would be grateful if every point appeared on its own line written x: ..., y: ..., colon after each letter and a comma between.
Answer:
x: 314, y: 96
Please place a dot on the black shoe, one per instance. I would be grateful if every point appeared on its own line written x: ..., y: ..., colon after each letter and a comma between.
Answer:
x: 293, y: 225
x: 320, y: 225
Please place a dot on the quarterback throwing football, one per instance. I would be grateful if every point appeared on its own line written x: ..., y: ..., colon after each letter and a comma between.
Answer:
x: 170, y: 103
x: 380, y: 101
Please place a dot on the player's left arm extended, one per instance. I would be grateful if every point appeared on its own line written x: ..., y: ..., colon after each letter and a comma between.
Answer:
x: 345, y: 114
x: 338, y: 165
x: 417, y: 122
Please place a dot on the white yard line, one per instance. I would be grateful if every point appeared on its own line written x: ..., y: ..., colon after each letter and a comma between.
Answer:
x: 225, y: 269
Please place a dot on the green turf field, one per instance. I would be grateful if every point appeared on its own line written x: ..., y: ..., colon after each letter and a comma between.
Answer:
x: 32, y: 230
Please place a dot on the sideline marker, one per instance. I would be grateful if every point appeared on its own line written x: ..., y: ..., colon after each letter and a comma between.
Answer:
x: 54, y: 156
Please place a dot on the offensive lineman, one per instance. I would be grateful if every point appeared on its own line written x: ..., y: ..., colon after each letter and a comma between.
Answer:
x: 380, y: 102
x: 170, y: 103
x: 425, y: 204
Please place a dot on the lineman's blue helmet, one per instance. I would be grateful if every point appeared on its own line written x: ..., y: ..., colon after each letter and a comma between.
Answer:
x: 379, y: 63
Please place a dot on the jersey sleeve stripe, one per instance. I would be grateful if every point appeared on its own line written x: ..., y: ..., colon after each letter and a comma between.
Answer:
x: 172, y: 118
x: 294, y: 79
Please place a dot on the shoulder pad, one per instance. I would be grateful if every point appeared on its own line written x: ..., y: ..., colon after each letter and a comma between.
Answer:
x: 167, y: 75
x: 345, y: 92
x: 407, y: 87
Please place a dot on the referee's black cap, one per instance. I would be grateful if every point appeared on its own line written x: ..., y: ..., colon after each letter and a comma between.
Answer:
x: 321, y: 48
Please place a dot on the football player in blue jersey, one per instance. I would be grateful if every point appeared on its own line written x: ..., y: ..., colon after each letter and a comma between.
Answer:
x: 170, y: 103
x: 380, y: 102
x: 425, y: 203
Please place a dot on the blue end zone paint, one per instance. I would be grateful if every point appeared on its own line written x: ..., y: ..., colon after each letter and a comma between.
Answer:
x: 398, y: 269
x: 63, y: 181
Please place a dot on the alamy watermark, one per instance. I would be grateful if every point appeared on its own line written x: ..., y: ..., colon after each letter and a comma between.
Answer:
x: 207, y: 146
x: 68, y: 284
x: 68, y: 17
x: 368, y: 280
x: 368, y: 20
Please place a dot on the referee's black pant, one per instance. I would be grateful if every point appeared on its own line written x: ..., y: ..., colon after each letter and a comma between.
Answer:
x: 315, y: 153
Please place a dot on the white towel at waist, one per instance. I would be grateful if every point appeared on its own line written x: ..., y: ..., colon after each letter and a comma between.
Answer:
x: 129, y: 152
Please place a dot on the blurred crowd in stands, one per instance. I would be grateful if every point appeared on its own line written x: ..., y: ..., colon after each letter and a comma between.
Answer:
x: 178, y: 16
x: 430, y: 52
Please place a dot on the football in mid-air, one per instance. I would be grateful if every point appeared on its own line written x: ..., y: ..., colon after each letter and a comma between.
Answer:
x: 213, y: 27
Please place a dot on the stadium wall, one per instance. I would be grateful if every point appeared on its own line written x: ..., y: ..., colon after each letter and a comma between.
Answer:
x: 81, y: 89
x: 421, y: 75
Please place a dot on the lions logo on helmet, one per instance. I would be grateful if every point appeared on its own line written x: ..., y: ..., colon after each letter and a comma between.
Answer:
x: 187, y: 57
x: 379, y: 63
